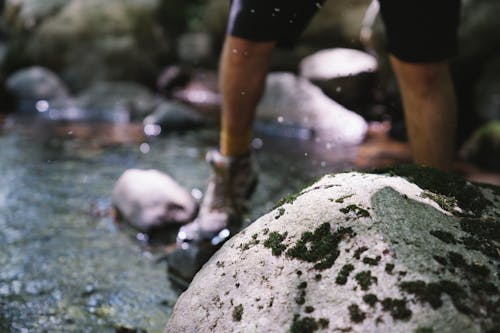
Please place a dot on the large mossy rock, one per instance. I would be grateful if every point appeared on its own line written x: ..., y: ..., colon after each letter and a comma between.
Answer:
x: 358, y: 253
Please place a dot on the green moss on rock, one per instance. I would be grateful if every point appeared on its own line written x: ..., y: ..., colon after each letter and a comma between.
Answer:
x: 320, y: 247
x: 238, y: 312
x: 443, y: 236
x: 468, y: 196
x: 344, y: 274
x: 370, y: 299
x: 358, y: 211
x: 275, y: 242
x: 397, y: 308
x: 372, y: 261
x: 365, y: 279
x: 356, y: 314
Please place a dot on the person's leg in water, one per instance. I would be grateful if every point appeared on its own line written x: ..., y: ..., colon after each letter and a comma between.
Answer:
x: 430, y: 110
x: 421, y: 38
x: 243, y: 68
x: 254, y: 28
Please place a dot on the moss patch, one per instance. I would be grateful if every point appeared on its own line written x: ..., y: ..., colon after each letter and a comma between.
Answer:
x: 370, y: 299
x: 397, y: 308
x: 344, y: 274
x: 468, y: 196
x: 358, y: 211
x: 356, y: 314
x: 275, y: 242
x: 341, y: 199
x: 281, y: 212
x: 320, y: 247
x: 372, y: 261
x: 238, y: 312
x: 365, y: 279
x: 308, y: 324
x: 447, y: 203
x: 359, y: 250
x: 389, y: 268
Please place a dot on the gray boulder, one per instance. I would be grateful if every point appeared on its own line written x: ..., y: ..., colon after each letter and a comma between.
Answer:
x: 150, y: 199
x: 93, y: 40
x: 346, y: 75
x: 37, y: 89
x: 26, y: 14
x: 358, y: 252
x: 294, y: 101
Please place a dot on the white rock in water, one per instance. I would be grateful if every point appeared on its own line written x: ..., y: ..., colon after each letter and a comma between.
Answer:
x: 339, y: 62
x: 357, y: 253
x: 149, y: 199
x: 292, y: 100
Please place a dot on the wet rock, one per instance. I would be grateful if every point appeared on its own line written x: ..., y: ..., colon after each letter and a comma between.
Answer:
x: 294, y: 101
x: 483, y: 148
x: 346, y: 75
x: 129, y: 98
x: 149, y: 199
x: 26, y: 14
x: 360, y: 253
x: 89, y: 41
x: 35, y: 84
x: 172, y: 116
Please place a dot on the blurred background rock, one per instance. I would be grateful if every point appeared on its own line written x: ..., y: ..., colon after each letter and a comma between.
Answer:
x: 86, y: 42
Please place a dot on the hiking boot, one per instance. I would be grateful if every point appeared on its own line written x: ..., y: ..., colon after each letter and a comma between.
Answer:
x: 231, y: 183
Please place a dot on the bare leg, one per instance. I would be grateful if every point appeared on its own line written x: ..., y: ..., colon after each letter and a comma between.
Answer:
x: 243, y: 69
x: 430, y: 110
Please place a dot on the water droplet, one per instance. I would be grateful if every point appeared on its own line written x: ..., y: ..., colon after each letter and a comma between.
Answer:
x: 42, y: 105
x: 277, y: 9
x: 305, y: 154
x: 252, y: 11
x: 280, y: 119
x: 338, y: 89
x: 197, y: 193
x: 235, y: 51
x: 152, y: 129
x: 257, y: 143
x: 319, y: 5
x: 144, y: 148
x: 243, y: 93
x: 323, y: 164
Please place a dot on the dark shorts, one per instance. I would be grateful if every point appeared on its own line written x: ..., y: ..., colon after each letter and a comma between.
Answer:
x: 417, y: 30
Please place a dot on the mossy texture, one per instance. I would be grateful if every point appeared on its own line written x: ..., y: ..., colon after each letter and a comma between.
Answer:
x: 275, y: 242
x: 320, y: 247
x: 467, y: 195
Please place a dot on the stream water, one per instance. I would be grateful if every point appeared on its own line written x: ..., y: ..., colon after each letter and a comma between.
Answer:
x: 64, y: 265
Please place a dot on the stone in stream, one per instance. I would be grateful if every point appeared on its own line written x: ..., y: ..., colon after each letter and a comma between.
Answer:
x: 346, y: 75
x: 150, y: 199
x: 34, y: 86
x: 294, y: 101
x: 358, y: 252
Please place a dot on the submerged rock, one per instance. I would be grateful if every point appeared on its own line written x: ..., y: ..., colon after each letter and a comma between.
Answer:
x: 291, y: 100
x: 150, y: 199
x: 358, y: 252
x: 171, y: 116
